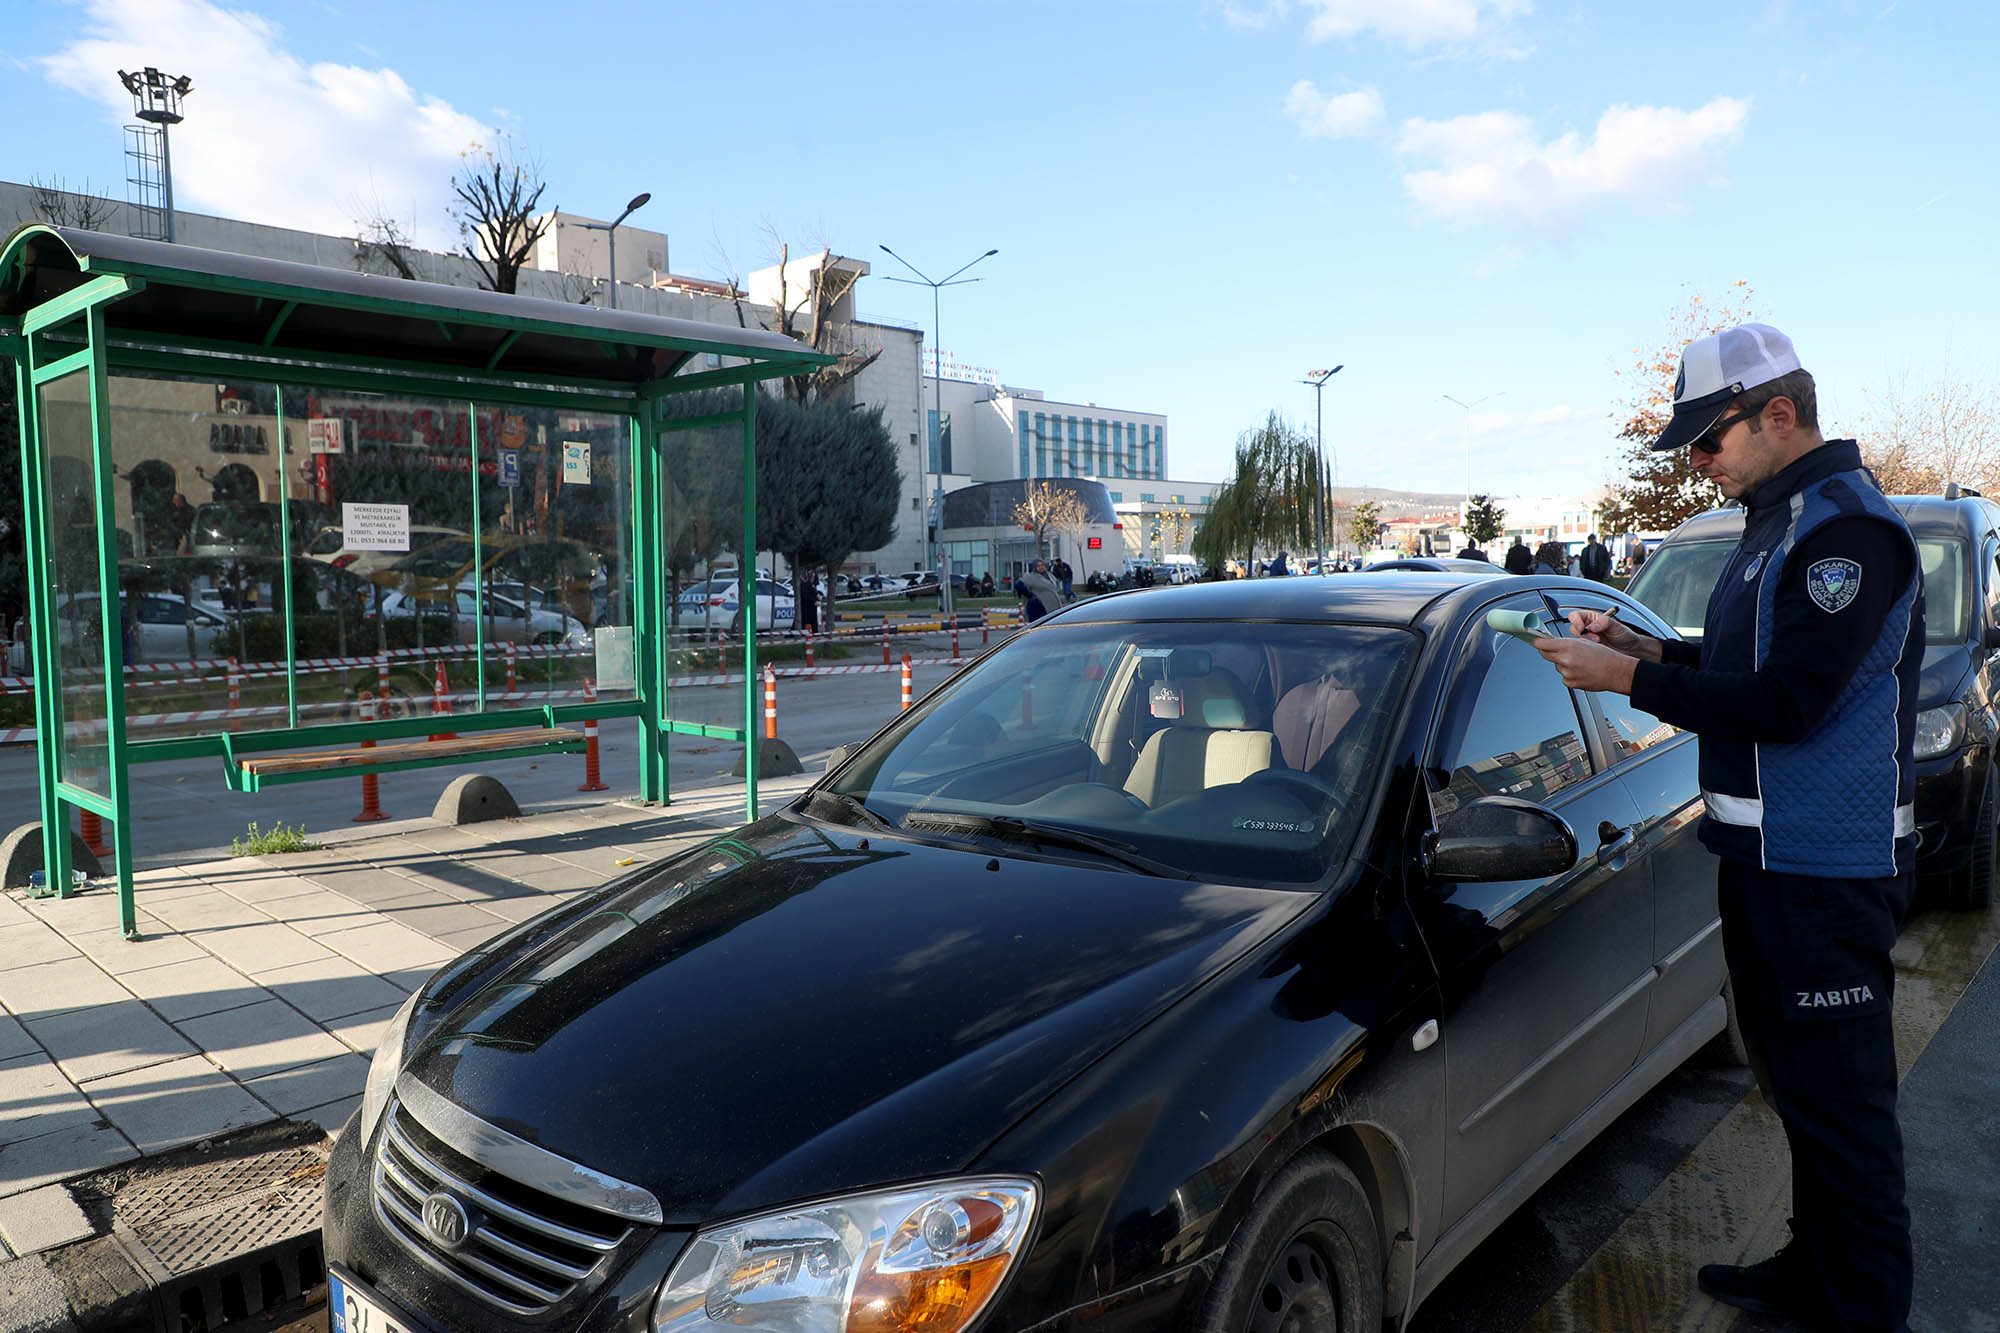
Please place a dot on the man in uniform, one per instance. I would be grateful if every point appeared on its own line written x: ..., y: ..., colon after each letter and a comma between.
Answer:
x: 1803, y: 692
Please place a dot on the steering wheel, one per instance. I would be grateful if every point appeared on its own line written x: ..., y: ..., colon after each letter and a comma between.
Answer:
x: 1294, y: 778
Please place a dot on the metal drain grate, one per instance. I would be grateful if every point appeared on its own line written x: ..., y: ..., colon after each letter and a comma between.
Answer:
x: 225, y: 1240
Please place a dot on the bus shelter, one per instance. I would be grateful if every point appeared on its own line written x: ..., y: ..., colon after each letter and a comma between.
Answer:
x: 276, y: 514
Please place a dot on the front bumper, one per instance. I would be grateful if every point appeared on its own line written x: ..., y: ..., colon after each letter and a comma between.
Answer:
x: 1947, y: 801
x: 618, y: 1300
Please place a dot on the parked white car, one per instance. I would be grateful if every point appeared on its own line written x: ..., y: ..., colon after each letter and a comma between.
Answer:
x: 160, y: 632
x: 716, y: 605
x: 506, y: 620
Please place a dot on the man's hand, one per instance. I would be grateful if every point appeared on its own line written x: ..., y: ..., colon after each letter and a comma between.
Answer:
x: 1590, y: 666
x: 1606, y: 628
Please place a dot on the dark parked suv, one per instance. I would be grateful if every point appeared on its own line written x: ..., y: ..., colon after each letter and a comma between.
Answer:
x: 1225, y: 957
x: 1958, y: 543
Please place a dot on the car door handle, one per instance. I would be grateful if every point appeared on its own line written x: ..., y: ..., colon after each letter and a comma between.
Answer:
x: 1613, y: 842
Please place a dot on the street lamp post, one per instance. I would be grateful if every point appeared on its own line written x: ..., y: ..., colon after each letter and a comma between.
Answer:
x: 611, y: 238
x: 937, y: 411
x: 1318, y: 379
x: 1465, y: 431
x: 156, y: 99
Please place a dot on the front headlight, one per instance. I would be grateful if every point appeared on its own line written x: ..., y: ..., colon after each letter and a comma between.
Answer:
x: 387, y: 1064
x: 1940, y: 730
x: 924, y: 1260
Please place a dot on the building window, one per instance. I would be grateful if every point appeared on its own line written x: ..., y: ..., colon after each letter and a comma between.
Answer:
x: 1041, y: 445
x: 1117, y: 497
x: 1160, y: 451
x: 940, y: 443
x: 1022, y: 422
x: 1145, y: 497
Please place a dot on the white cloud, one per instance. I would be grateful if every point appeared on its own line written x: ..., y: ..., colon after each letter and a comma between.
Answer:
x: 1491, y: 167
x: 1334, y: 115
x: 1248, y: 16
x: 269, y: 137
x: 1414, y: 23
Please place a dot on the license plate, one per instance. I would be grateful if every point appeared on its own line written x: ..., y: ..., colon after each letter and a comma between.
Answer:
x: 352, y: 1308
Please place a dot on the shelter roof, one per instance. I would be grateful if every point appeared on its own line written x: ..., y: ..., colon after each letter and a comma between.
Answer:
x: 216, y: 301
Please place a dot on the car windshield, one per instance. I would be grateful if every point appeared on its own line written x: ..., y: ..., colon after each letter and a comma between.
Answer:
x: 1945, y: 603
x: 1226, y: 751
x: 230, y: 525
x: 1676, y: 580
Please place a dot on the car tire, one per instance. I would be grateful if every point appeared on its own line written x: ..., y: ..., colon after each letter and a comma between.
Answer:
x: 1972, y: 887
x: 548, y: 639
x: 1307, y: 1257
x: 1727, y: 1049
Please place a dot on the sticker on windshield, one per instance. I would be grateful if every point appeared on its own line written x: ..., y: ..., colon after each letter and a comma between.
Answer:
x: 1272, y: 825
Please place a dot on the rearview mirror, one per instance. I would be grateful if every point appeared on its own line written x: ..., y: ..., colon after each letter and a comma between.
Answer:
x: 1498, y: 838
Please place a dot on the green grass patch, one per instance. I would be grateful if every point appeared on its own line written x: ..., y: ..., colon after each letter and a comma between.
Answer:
x: 268, y: 842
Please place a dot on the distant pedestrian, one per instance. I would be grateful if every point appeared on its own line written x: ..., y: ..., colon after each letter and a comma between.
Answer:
x: 986, y: 584
x: 1594, y: 562
x: 1519, y: 558
x: 1472, y: 552
x: 808, y: 605
x: 1066, y: 576
x: 1638, y: 555
x: 1551, y: 559
x: 1038, y: 591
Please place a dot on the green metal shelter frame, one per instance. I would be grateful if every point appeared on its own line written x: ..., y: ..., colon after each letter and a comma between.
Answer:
x: 85, y: 304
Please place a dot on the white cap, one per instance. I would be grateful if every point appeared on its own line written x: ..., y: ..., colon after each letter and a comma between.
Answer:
x: 1716, y: 369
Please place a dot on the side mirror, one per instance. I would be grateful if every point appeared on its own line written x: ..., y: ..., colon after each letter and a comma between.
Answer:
x: 1498, y: 838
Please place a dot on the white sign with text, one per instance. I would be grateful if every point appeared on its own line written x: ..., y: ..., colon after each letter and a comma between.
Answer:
x: 375, y: 527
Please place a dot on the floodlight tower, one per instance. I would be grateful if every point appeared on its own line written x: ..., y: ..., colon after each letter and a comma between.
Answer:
x: 156, y: 99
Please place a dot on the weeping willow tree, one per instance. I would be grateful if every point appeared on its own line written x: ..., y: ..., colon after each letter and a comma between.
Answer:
x: 1271, y: 501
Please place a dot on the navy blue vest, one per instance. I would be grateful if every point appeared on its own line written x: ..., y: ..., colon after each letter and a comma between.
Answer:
x: 1840, y: 802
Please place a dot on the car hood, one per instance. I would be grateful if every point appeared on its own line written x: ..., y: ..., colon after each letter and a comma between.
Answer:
x: 794, y: 1010
x: 1946, y: 667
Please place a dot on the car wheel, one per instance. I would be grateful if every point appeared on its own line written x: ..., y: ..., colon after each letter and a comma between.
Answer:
x: 736, y: 626
x: 1972, y: 887
x: 1727, y: 1048
x: 1307, y: 1258
x: 548, y: 639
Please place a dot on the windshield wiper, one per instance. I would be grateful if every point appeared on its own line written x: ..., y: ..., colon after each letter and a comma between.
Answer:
x: 860, y: 813
x: 1046, y: 835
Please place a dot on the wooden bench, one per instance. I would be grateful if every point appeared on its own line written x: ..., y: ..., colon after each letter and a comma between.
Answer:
x: 254, y: 771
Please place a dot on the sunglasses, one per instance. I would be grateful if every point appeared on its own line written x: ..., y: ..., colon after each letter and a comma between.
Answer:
x: 1710, y: 440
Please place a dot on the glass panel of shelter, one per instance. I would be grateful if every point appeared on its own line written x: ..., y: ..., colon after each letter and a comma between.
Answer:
x: 63, y: 406
x: 701, y: 541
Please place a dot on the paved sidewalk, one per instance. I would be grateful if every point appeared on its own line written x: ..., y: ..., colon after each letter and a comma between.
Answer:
x: 261, y: 984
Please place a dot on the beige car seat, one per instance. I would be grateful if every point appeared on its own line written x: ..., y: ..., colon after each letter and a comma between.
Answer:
x: 1209, y: 745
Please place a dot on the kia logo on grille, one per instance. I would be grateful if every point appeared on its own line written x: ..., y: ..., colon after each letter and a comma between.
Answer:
x: 445, y: 1220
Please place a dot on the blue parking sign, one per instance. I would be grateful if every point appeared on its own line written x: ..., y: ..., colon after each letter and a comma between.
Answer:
x: 510, y: 467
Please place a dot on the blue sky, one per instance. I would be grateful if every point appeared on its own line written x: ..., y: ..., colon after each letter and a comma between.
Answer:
x: 1195, y: 202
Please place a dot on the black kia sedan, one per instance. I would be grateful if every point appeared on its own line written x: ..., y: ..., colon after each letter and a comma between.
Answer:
x: 1958, y: 785
x: 1224, y: 957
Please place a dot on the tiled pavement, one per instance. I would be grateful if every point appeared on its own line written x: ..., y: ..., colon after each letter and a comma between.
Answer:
x: 261, y: 983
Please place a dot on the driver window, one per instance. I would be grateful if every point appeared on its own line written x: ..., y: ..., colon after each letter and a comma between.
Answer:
x: 1521, y: 737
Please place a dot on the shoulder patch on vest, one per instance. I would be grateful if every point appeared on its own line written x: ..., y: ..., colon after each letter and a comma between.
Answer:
x: 1832, y: 583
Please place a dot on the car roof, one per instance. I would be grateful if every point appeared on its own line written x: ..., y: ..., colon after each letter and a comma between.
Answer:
x: 1387, y: 597
x: 1924, y: 513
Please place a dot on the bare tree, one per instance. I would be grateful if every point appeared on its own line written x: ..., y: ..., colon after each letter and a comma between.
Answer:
x: 1916, y: 440
x: 1050, y: 508
x: 810, y: 320
x: 381, y: 240
x: 499, y: 194
x: 63, y: 208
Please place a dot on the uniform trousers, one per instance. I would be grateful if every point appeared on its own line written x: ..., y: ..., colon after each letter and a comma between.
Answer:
x: 1809, y: 962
